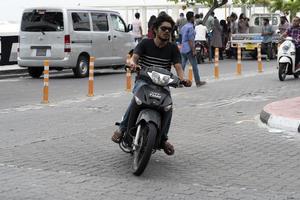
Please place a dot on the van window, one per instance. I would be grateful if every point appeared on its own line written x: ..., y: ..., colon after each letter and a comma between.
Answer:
x: 100, y: 22
x: 118, y: 23
x: 41, y: 20
x: 258, y: 21
x: 81, y: 21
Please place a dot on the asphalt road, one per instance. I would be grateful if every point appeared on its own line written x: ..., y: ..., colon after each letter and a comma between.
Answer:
x: 63, y: 150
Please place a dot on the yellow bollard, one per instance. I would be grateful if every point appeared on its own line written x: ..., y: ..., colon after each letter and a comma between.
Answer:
x: 216, y: 69
x: 128, y: 80
x: 190, y: 72
x: 46, y: 82
x: 259, y: 58
x: 239, y: 61
x: 91, y: 77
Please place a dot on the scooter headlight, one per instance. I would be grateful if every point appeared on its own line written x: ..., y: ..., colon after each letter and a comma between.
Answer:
x: 159, y: 79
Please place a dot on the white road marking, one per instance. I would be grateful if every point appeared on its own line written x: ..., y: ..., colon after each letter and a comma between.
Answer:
x: 61, y: 103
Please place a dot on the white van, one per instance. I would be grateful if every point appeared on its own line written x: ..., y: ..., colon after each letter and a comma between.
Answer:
x: 67, y: 37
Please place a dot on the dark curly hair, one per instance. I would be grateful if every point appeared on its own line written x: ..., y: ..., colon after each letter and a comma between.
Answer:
x: 163, y: 18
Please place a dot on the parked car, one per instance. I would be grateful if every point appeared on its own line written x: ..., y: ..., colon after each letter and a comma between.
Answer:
x: 68, y: 37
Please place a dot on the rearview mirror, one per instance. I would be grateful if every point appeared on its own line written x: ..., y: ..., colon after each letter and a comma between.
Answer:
x: 129, y: 27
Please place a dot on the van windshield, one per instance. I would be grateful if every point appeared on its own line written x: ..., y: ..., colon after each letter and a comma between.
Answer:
x: 42, y: 21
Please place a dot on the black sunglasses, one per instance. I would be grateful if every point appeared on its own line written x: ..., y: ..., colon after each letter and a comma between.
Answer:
x: 164, y: 28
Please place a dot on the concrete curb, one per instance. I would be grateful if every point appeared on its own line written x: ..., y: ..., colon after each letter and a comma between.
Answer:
x: 280, y: 122
x: 13, y: 71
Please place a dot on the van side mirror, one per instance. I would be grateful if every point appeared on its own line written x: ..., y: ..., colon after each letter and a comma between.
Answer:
x: 129, y: 27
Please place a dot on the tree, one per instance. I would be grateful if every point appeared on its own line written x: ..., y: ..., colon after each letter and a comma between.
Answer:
x: 247, y: 3
x: 213, y: 4
x: 286, y: 6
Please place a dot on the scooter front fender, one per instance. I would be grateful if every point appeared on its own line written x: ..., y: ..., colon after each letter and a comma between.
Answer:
x: 149, y: 115
x: 284, y: 59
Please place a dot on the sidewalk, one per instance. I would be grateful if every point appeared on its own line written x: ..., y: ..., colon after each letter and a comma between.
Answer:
x: 283, y: 114
x: 11, y: 69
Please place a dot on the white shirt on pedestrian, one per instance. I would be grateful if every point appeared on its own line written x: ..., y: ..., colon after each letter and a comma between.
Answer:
x: 136, y: 28
x: 200, y: 32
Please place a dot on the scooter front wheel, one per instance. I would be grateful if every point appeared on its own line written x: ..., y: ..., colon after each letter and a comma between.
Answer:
x: 282, y: 71
x: 143, y: 150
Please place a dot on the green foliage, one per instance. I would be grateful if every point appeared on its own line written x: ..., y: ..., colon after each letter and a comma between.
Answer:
x: 286, y: 6
x: 192, y: 2
x: 251, y: 2
x: 210, y: 3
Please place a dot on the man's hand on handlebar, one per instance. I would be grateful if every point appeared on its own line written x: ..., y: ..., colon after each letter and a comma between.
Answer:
x: 186, y: 83
x: 132, y: 65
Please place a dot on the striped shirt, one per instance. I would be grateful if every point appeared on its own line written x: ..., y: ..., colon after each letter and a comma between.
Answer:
x: 294, y: 32
x: 151, y: 55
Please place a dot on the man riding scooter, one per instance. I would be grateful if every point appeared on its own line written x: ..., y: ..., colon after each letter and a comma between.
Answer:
x: 294, y: 32
x: 155, y: 52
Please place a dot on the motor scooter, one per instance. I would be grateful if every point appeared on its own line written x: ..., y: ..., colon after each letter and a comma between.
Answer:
x: 286, y: 60
x: 201, y: 51
x: 146, y: 119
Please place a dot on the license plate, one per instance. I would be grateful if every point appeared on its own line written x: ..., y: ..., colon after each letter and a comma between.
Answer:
x: 250, y: 46
x: 198, y: 48
x: 155, y: 95
x: 41, y: 52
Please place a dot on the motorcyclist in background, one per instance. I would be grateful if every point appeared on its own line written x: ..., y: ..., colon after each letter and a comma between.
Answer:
x: 294, y: 32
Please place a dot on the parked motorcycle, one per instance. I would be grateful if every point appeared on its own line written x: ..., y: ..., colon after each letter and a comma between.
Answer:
x: 286, y: 60
x: 201, y: 51
x: 144, y: 133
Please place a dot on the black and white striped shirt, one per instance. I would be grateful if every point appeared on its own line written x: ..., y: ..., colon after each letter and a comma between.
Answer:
x: 151, y: 55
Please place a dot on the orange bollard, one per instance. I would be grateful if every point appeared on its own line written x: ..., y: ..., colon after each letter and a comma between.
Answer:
x: 128, y: 80
x: 46, y: 82
x: 216, y: 69
x: 239, y: 61
x: 190, y: 72
x: 91, y: 77
x: 259, y: 58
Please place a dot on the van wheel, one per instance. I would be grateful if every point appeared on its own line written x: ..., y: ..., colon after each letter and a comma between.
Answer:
x: 35, y: 72
x: 82, y: 67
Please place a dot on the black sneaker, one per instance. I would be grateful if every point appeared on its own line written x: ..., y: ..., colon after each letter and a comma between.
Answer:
x: 198, y: 84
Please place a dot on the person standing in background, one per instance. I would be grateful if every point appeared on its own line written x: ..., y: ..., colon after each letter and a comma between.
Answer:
x: 150, y: 34
x: 209, y: 25
x: 233, y: 30
x: 181, y: 21
x: 137, y: 28
x: 216, y: 39
x: 225, y: 34
x: 267, y: 33
x: 243, y: 25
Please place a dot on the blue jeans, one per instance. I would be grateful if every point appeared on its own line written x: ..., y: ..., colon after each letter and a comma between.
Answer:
x: 192, y: 59
x: 166, y: 118
x: 210, y: 52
